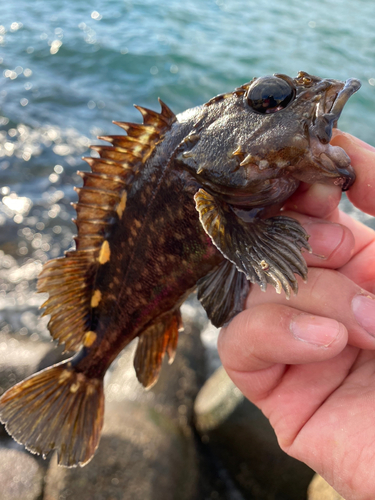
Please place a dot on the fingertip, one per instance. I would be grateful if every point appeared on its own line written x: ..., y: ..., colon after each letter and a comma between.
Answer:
x: 319, y: 200
x: 342, y: 139
x: 332, y: 243
x: 362, y: 157
x: 268, y: 334
x: 318, y: 331
x: 262, y: 343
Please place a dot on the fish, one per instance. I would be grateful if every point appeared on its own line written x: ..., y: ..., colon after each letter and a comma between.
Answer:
x: 180, y: 203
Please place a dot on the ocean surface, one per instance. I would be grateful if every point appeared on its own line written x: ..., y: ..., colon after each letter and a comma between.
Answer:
x: 68, y: 68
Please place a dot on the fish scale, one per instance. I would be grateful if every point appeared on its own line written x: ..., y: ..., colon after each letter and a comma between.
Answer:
x: 179, y: 203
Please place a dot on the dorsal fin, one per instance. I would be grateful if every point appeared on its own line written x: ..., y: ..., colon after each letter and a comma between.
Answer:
x: 101, y: 204
x: 158, y: 120
x: 144, y: 133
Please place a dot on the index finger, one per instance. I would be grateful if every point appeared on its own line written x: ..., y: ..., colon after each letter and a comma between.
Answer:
x: 362, y: 156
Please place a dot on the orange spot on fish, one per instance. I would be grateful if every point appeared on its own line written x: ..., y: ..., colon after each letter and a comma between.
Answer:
x: 89, y: 339
x: 74, y: 387
x: 65, y: 374
x: 121, y: 206
x: 105, y: 253
x: 96, y: 298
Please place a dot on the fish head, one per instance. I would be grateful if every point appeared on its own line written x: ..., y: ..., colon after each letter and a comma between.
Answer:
x: 255, y: 144
x: 316, y: 108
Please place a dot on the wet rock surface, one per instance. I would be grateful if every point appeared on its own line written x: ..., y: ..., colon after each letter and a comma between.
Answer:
x: 216, y: 401
x: 147, y: 450
x: 142, y: 455
x: 185, y: 439
x: 21, y: 477
x: 19, y: 358
x: 244, y: 444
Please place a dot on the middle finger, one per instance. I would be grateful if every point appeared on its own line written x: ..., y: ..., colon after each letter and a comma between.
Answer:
x: 330, y: 294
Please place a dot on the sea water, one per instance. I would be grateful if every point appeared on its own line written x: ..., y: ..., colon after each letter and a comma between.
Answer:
x: 68, y: 68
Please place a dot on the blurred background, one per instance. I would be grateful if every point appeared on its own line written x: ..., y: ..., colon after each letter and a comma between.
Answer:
x: 70, y: 67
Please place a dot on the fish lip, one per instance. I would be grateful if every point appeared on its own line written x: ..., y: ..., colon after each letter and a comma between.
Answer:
x: 333, y: 162
x: 348, y: 177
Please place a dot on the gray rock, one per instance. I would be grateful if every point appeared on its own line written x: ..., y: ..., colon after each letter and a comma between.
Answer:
x: 143, y: 455
x: 178, y: 384
x: 21, y: 477
x: 319, y: 489
x: 244, y: 444
x: 216, y: 400
x: 147, y: 450
x: 19, y: 358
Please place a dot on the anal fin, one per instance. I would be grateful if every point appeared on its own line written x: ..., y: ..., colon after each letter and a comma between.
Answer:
x: 158, y: 339
x: 222, y: 293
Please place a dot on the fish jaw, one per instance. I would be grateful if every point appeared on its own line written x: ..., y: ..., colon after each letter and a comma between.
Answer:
x: 324, y: 162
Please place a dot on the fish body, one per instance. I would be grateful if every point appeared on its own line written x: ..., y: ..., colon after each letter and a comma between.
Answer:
x: 180, y: 202
x: 157, y: 254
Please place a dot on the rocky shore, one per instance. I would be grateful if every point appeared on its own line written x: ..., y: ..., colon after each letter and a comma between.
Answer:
x: 191, y: 437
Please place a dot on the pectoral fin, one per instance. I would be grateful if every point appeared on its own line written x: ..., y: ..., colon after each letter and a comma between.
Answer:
x: 222, y: 293
x: 265, y: 250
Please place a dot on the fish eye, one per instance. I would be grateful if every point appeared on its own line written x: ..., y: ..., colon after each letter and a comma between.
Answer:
x: 269, y: 94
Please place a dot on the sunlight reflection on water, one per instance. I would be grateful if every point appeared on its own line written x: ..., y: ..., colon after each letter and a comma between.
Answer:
x: 67, y: 71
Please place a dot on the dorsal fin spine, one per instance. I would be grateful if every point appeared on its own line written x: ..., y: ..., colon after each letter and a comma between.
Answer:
x: 167, y: 112
x: 81, y: 206
x: 123, y: 139
x: 128, y: 144
x: 95, y: 190
x: 86, y: 176
x: 151, y: 117
x: 144, y: 133
x: 107, y: 164
x: 117, y: 153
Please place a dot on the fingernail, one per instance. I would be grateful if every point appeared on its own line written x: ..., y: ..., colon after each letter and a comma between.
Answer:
x: 325, y: 240
x: 315, y: 329
x: 364, y: 311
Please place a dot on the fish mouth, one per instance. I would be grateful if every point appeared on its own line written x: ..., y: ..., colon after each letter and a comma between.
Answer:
x: 332, y: 160
x: 335, y: 101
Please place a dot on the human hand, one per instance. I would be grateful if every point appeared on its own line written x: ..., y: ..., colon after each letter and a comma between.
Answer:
x: 309, y: 363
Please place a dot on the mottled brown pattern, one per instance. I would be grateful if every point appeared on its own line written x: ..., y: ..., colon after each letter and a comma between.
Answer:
x: 176, y: 204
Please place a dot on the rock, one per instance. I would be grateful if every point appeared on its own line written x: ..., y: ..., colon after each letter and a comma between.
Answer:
x: 244, y: 444
x: 147, y: 450
x: 19, y: 358
x: 142, y: 456
x: 319, y: 489
x: 216, y: 400
x: 178, y: 384
x: 21, y: 477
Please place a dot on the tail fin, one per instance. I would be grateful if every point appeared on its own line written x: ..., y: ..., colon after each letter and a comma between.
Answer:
x: 56, y: 409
